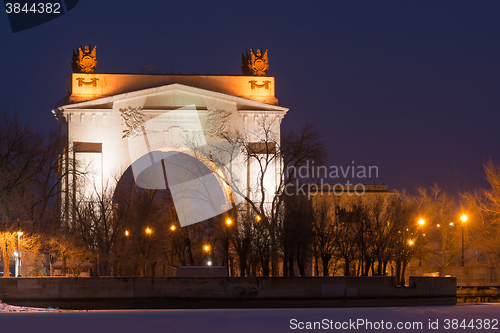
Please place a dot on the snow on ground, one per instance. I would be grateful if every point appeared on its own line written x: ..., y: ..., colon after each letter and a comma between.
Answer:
x: 478, y: 317
x: 13, y: 308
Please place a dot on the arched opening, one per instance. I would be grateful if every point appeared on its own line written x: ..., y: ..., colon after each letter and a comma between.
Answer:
x: 148, y: 234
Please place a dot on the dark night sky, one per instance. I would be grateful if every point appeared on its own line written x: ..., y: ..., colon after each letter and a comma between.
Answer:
x: 409, y: 86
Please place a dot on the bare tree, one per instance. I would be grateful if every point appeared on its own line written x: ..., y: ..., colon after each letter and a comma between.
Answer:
x: 273, y: 157
x: 484, y: 206
x: 438, y: 210
x: 297, y: 234
x: 325, y: 222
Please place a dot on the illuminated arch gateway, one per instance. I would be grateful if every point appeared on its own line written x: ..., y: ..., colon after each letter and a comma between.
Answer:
x: 113, y: 121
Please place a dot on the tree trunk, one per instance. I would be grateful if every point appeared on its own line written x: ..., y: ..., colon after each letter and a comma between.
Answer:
x: 398, y: 272
x: 6, y: 263
x: 325, y: 260
x: 346, y: 266
x: 274, y: 253
x: 243, y: 267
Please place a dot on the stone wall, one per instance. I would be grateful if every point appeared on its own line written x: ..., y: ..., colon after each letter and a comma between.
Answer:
x: 250, y: 292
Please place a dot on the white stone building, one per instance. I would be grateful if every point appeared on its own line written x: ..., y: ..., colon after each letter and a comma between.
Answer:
x: 111, y: 121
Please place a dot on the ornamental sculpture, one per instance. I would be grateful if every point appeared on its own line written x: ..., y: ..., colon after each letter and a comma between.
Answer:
x: 217, y: 122
x: 133, y: 120
x: 84, y: 61
x: 254, y: 63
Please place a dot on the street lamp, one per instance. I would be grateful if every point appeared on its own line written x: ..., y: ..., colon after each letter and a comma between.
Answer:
x: 228, y: 221
x: 172, y: 227
x: 463, y: 218
x: 148, y: 231
x: 127, y: 233
x: 421, y: 223
x: 19, y: 234
x: 207, y: 248
x: 258, y: 218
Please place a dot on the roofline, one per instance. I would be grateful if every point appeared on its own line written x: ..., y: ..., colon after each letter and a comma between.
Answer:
x: 169, y: 87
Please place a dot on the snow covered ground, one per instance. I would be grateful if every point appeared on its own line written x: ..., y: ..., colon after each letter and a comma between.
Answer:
x: 479, y: 317
x: 12, y: 308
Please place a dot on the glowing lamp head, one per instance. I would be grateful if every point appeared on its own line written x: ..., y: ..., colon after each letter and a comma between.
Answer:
x: 206, y: 248
x: 172, y: 227
x: 148, y: 231
x: 421, y: 222
x: 228, y: 221
x: 463, y: 218
x: 410, y: 242
x: 209, y: 263
x: 258, y: 218
x: 19, y: 233
x: 127, y: 233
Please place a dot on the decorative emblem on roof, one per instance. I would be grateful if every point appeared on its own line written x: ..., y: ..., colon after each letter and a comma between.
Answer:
x: 84, y: 61
x: 82, y: 82
x: 254, y: 63
x: 265, y: 84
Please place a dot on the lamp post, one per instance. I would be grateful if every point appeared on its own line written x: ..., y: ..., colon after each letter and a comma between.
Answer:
x: 148, y: 233
x: 463, y: 218
x: 207, y: 248
x: 19, y: 234
x: 172, y: 228
x: 421, y: 223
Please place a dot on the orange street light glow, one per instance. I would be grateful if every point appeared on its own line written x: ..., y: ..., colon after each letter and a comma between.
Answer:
x: 410, y: 242
x: 172, y: 227
x: 421, y: 222
x: 228, y: 221
x: 148, y: 231
x: 206, y: 248
x: 127, y: 233
x: 463, y: 218
x: 258, y: 218
x: 19, y: 233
